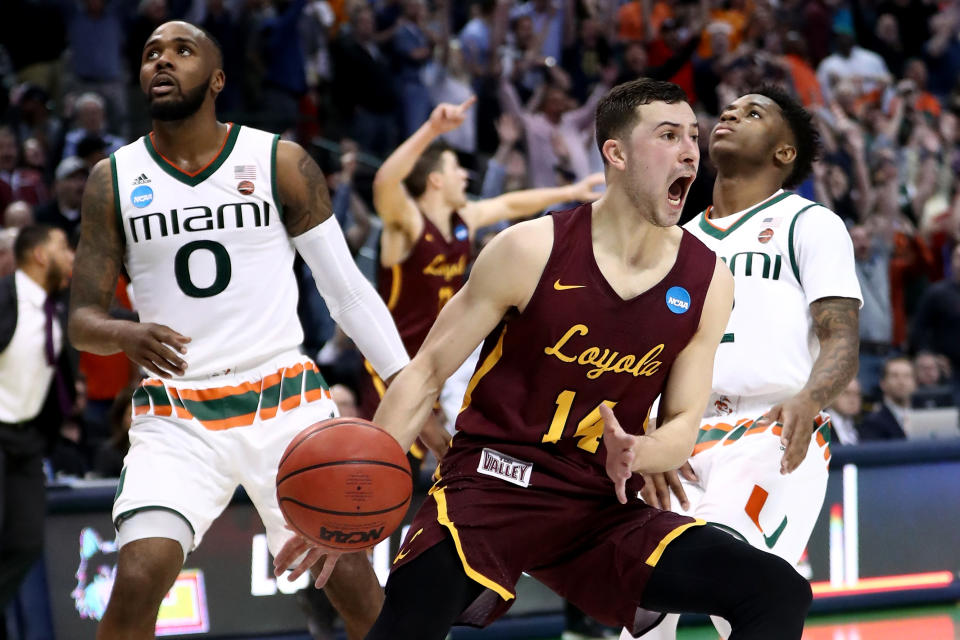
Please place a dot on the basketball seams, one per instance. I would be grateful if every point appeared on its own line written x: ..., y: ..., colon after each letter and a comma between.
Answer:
x: 335, y: 463
x: 399, y: 505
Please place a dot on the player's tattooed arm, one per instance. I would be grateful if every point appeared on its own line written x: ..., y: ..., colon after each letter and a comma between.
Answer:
x: 836, y: 321
x: 97, y: 263
x: 91, y: 328
x: 303, y: 189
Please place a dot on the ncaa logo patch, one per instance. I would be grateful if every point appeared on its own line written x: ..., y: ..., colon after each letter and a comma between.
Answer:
x: 142, y: 196
x: 246, y: 187
x: 678, y: 300
x: 461, y: 232
x: 765, y: 236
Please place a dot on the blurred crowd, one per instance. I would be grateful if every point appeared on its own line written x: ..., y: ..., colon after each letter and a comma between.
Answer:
x: 350, y: 79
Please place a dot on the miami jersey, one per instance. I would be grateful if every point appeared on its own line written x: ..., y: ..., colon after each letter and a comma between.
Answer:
x: 543, y: 373
x: 785, y: 253
x: 207, y: 253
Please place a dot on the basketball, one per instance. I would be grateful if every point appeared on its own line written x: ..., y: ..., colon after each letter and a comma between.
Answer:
x: 344, y: 483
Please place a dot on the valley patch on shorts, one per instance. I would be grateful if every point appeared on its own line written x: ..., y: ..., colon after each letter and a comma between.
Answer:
x: 588, y: 548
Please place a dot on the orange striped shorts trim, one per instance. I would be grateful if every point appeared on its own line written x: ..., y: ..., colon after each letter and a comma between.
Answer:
x: 711, y: 435
x: 219, y: 408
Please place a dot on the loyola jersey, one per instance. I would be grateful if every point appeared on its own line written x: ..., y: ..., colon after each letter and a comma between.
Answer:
x: 785, y: 253
x: 207, y: 253
x: 543, y: 373
x: 417, y: 288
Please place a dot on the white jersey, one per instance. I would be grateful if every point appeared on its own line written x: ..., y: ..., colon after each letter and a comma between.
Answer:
x: 785, y: 253
x: 208, y: 254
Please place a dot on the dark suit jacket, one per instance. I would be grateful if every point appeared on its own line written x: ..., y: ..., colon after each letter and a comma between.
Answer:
x: 8, y: 310
x: 50, y: 416
x: 881, y: 425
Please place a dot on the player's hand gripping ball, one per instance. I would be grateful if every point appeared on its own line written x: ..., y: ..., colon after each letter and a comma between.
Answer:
x: 344, y: 483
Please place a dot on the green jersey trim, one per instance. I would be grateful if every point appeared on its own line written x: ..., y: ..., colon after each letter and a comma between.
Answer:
x: 793, y: 253
x: 275, y: 188
x: 720, y: 234
x: 193, y: 179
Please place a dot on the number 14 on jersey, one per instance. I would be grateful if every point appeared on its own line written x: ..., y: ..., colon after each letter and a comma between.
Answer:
x: 589, y: 429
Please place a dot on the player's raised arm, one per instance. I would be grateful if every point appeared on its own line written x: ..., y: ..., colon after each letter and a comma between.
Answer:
x: 505, y: 275
x: 524, y: 203
x: 155, y: 347
x: 391, y: 200
x: 352, y: 300
x: 683, y: 400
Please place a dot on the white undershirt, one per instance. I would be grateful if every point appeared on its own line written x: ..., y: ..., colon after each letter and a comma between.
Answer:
x: 24, y: 373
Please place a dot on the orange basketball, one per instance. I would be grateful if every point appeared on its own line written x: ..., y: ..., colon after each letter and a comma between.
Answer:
x: 344, y: 483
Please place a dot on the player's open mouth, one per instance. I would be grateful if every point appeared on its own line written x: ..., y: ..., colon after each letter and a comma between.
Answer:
x: 678, y: 189
x: 162, y: 84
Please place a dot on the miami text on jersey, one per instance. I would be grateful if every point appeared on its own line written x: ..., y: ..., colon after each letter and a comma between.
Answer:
x: 198, y: 218
x: 747, y: 263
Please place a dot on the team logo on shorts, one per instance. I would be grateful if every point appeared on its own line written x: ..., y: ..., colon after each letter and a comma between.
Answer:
x: 142, y: 196
x: 461, y: 232
x: 765, y: 236
x: 245, y: 187
x: 678, y: 300
x: 722, y: 406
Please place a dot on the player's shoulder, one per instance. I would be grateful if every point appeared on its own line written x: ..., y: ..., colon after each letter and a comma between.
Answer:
x: 252, y: 133
x: 135, y: 146
x: 810, y: 217
x: 795, y: 205
x: 522, y: 248
x: 531, y: 237
x: 510, y: 266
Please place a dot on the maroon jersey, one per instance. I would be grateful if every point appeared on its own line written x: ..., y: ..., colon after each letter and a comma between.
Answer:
x: 523, y: 486
x: 543, y: 373
x: 417, y: 288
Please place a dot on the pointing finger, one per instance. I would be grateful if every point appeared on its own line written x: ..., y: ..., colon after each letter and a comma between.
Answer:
x: 466, y: 104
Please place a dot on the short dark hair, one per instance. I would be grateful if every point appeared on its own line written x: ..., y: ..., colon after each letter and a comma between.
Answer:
x: 801, y: 124
x: 28, y: 239
x: 427, y: 163
x: 893, y: 359
x: 617, y: 111
x: 217, y: 47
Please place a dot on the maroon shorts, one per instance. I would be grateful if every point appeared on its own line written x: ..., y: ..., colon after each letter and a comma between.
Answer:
x: 589, y: 549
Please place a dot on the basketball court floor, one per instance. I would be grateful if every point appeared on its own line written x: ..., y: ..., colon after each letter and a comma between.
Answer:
x: 920, y: 623
x: 941, y: 622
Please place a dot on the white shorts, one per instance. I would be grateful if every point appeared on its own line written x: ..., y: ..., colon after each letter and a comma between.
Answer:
x: 193, y: 442
x: 739, y: 486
